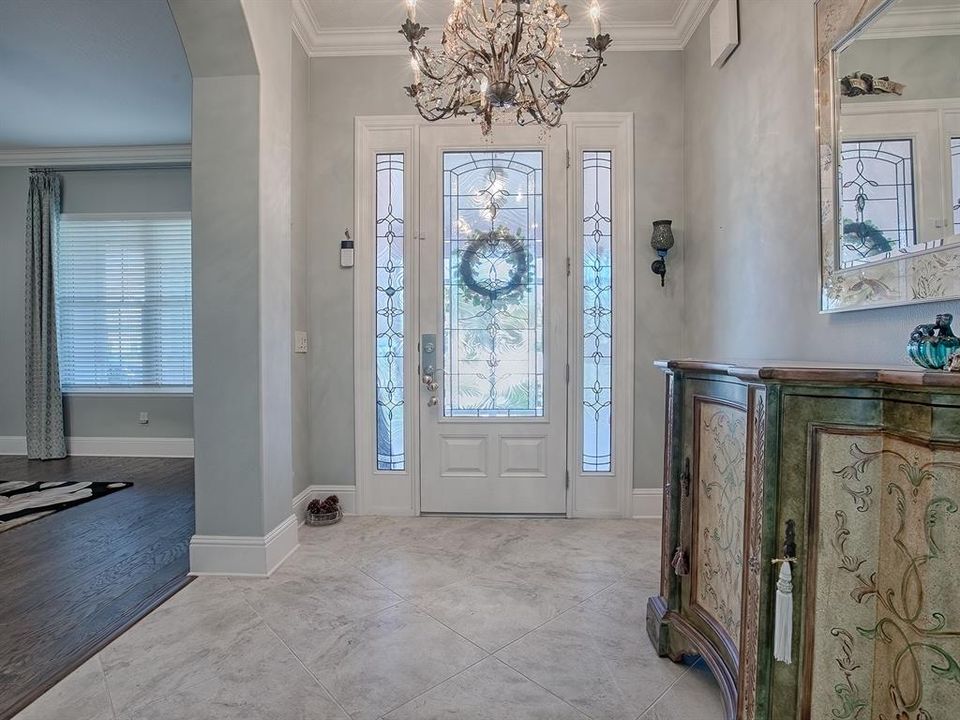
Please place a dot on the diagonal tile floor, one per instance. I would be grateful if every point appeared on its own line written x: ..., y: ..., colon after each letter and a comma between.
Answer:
x: 407, y: 619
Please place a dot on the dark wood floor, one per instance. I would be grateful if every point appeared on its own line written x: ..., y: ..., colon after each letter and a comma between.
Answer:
x: 72, y: 581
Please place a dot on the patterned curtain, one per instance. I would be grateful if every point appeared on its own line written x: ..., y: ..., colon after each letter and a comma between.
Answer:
x: 45, y: 439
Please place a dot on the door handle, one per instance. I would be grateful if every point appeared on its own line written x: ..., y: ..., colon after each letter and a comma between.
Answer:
x: 428, y: 355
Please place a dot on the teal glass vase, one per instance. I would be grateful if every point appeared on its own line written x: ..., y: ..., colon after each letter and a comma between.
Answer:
x: 932, y: 345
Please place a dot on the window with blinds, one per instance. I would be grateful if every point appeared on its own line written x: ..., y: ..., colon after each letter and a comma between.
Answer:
x: 123, y: 299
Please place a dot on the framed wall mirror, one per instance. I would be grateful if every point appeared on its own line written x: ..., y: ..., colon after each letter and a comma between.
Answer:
x: 889, y: 137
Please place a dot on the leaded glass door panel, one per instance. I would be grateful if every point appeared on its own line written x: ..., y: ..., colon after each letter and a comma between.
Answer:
x: 493, y: 292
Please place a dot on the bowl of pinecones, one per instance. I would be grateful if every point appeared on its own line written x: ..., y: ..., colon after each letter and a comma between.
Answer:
x: 323, y: 512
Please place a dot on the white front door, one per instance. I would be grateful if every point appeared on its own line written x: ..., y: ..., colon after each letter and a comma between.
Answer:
x: 494, y: 321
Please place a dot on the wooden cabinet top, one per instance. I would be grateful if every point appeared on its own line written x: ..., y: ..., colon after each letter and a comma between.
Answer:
x: 811, y: 372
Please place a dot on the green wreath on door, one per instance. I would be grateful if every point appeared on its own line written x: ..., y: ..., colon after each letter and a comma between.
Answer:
x: 493, y: 251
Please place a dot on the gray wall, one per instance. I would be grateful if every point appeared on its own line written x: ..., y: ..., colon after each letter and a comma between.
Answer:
x: 240, y: 58
x: 751, y: 204
x: 298, y: 276
x: 270, y: 31
x: 166, y: 190
x: 13, y: 206
x: 926, y: 65
x: 648, y: 84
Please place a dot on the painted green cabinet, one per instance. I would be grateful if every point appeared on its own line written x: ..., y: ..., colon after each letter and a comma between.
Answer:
x: 866, y: 463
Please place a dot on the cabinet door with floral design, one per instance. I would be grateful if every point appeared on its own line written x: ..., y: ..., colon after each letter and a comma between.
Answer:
x: 719, y: 480
x: 885, y: 632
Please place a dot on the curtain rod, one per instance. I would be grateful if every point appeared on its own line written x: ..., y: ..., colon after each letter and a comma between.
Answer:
x: 105, y: 168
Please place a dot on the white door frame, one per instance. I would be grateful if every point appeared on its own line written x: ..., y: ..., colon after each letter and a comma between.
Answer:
x: 397, y: 492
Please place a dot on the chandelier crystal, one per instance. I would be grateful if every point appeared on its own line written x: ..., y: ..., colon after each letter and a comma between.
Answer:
x: 501, y: 56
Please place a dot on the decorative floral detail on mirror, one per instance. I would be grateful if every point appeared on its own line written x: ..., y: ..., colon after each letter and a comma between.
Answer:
x: 888, y: 235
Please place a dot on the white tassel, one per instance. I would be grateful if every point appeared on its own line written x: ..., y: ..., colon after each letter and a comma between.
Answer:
x: 783, y: 619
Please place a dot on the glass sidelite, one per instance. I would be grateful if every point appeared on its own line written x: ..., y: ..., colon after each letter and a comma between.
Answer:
x: 597, y: 311
x: 955, y: 162
x: 877, y: 198
x: 493, y: 254
x: 389, y: 317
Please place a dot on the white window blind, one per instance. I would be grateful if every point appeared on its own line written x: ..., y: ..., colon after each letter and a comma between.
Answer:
x: 123, y: 300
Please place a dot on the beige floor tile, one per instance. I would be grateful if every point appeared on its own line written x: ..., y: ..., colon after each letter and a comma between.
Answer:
x: 278, y: 689
x: 487, y: 691
x: 188, y: 644
x: 493, y: 609
x: 381, y: 661
x: 412, y: 571
x: 564, y: 600
x: 696, y: 696
x: 82, y: 695
x: 296, y: 600
x: 598, y: 662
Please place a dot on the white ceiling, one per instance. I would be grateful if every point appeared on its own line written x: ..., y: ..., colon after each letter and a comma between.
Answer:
x: 369, y: 27
x: 82, y: 73
x: 91, y: 72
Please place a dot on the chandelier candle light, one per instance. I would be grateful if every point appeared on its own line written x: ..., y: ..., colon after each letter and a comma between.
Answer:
x: 501, y: 56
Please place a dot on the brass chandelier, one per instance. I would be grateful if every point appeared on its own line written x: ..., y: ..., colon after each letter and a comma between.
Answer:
x: 501, y: 56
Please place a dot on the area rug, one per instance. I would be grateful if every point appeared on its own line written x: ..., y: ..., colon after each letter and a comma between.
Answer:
x: 23, y: 501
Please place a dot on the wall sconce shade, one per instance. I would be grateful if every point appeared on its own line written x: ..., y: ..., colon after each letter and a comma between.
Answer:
x: 661, y: 241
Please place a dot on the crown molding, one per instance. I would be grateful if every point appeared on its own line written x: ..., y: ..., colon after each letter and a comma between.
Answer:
x: 318, y: 41
x: 305, y: 26
x: 915, y: 22
x: 107, y: 155
x: 688, y: 18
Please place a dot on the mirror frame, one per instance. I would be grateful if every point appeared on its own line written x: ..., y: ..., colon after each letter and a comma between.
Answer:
x: 929, y: 274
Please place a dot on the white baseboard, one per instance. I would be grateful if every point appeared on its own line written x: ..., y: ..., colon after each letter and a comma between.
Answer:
x: 131, y: 447
x: 244, y: 555
x: 346, y: 493
x: 110, y: 446
x: 13, y: 445
x: 647, y: 503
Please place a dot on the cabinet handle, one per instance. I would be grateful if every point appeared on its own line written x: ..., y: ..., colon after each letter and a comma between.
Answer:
x: 783, y: 611
x: 680, y: 562
x: 789, y: 544
x: 681, y: 558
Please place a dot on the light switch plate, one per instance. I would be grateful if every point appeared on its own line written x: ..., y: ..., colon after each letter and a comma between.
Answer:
x: 300, y: 344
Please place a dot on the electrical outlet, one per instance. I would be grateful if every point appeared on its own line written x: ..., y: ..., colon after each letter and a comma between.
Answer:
x: 144, y: 418
x: 300, y: 344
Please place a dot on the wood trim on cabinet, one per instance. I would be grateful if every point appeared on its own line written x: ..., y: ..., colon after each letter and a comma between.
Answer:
x: 813, y: 373
x: 752, y: 551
